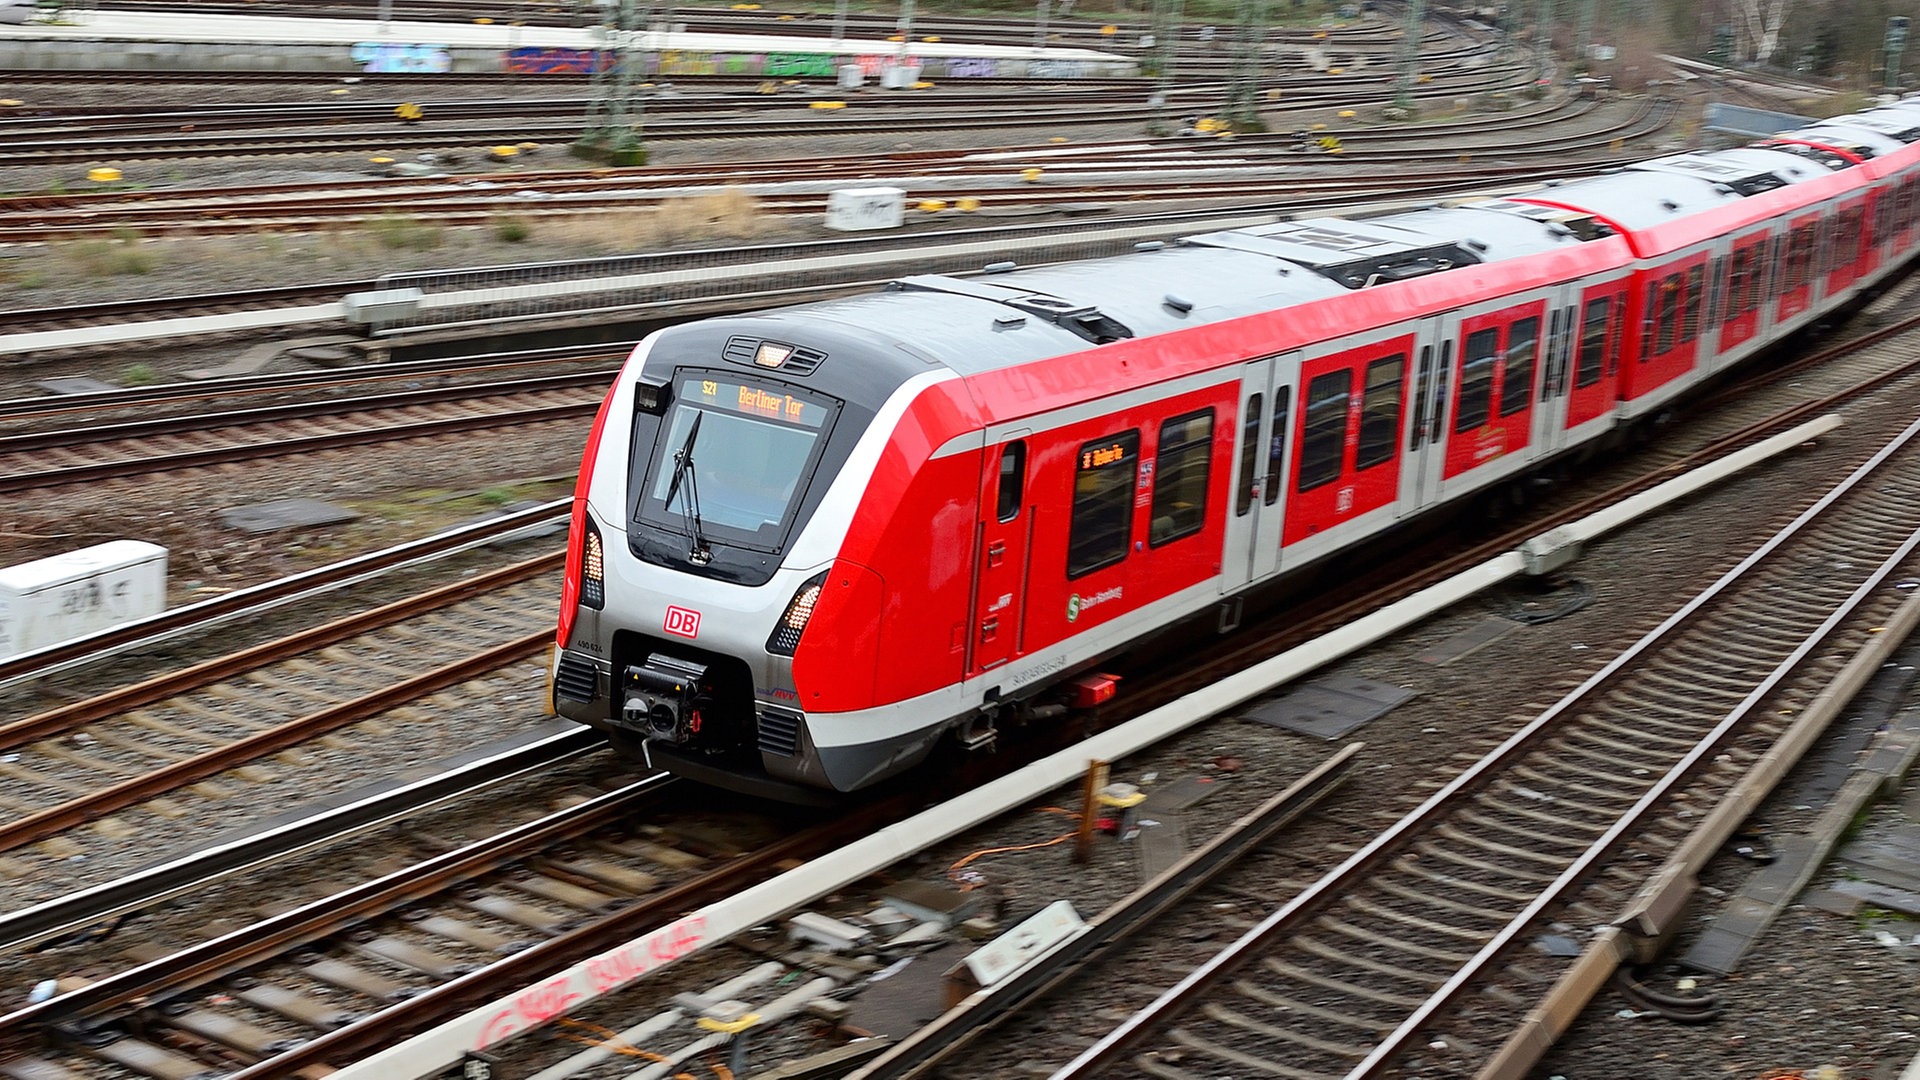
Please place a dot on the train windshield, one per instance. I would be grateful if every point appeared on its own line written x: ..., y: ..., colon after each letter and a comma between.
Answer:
x: 733, y: 459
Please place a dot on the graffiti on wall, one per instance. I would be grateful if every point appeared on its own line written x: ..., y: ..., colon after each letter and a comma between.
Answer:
x: 669, y: 63
x: 380, y: 57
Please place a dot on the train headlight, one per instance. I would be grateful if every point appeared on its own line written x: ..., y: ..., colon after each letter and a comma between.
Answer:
x: 793, y: 622
x: 593, y: 571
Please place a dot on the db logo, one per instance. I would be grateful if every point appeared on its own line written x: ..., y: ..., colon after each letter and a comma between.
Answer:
x: 683, y: 622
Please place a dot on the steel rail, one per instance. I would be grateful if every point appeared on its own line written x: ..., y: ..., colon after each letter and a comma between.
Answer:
x: 1291, y: 916
x: 239, y: 949
x: 143, y: 889
x: 144, y: 633
x: 1375, y: 1063
x: 227, y: 386
x: 456, y: 206
x: 530, y: 965
x: 107, y: 470
x: 20, y: 831
x: 1550, y: 113
x: 32, y: 441
x: 958, y: 1027
x: 65, y: 718
x: 178, y: 144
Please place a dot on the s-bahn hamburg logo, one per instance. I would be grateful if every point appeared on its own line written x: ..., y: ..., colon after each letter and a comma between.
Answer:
x: 1077, y: 603
x: 682, y: 621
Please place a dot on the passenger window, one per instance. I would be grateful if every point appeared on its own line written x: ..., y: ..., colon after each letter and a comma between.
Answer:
x: 1523, y: 346
x: 1102, y: 503
x: 1380, y: 410
x: 1668, y: 319
x: 1180, y: 477
x: 1476, y: 379
x: 1422, y: 386
x: 1690, y: 312
x: 1593, y: 342
x: 1249, y: 458
x: 1277, y: 445
x: 1740, y: 284
x: 1326, y: 428
x: 1013, y: 479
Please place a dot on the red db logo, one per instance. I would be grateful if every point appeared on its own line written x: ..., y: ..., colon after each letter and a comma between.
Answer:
x: 683, y: 622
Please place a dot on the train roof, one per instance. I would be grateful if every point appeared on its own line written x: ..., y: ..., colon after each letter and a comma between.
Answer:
x: 1863, y: 143
x: 978, y: 324
x: 1902, y: 125
x: 1648, y: 194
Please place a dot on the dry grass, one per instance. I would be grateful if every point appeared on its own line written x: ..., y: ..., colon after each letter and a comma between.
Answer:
x: 128, y: 265
x: 730, y: 213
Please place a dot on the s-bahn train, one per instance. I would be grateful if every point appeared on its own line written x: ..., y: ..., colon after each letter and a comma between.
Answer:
x: 810, y: 544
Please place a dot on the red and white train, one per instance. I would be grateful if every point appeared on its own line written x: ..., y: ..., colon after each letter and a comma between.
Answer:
x: 810, y: 544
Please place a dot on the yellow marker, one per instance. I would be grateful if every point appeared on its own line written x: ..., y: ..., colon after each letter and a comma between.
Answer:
x: 968, y: 205
x: 504, y: 152
x: 1030, y: 175
x: 923, y: 85
x: 529, y: 147
x: 1109, y: 31
x: 728, y: 1027
x: 11, y: 103
x: 827, y: 105
x: 932, y: 206
x: 382, y: 160
x: 103, y: 175
x: 484, y: 21
x: 1348, y: 114
x: 1058, y: 139
x: 930, y: 39
x: 408, y: 111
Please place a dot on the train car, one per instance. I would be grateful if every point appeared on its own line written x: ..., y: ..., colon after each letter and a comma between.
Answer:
x: 810, y: 545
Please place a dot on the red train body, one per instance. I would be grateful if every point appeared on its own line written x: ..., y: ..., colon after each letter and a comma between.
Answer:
x: 810, y: 544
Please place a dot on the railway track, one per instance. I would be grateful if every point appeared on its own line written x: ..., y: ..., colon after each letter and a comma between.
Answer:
x: 86, y: 454
x: 1127, y: 171
x: 342, y: 969
x: 127, y: 746
x: 390, y: 135
x: 1360, y: 973
x: 104, y: 406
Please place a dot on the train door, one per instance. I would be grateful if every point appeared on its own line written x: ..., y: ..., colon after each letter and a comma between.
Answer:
x: 1005, y: 530
x: 1425, y: 438
x: 1259, y: 489
x: 1347, y: 461
x: 1672, y: 318
x: 1743, y: 292
x: 1794, y: 262
x: 1550, y: 413
x: 1845, y: 246
x: 1496, y: 365
x: 1599, y: 332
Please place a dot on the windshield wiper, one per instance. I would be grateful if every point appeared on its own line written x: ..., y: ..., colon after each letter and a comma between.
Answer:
x: 698, y: 553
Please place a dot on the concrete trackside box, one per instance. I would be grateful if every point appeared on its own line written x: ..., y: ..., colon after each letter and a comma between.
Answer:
x: 50, y: 600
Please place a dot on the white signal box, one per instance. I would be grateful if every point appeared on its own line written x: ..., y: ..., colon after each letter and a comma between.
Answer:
x: 51, y: 600
x: 857, y: 209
